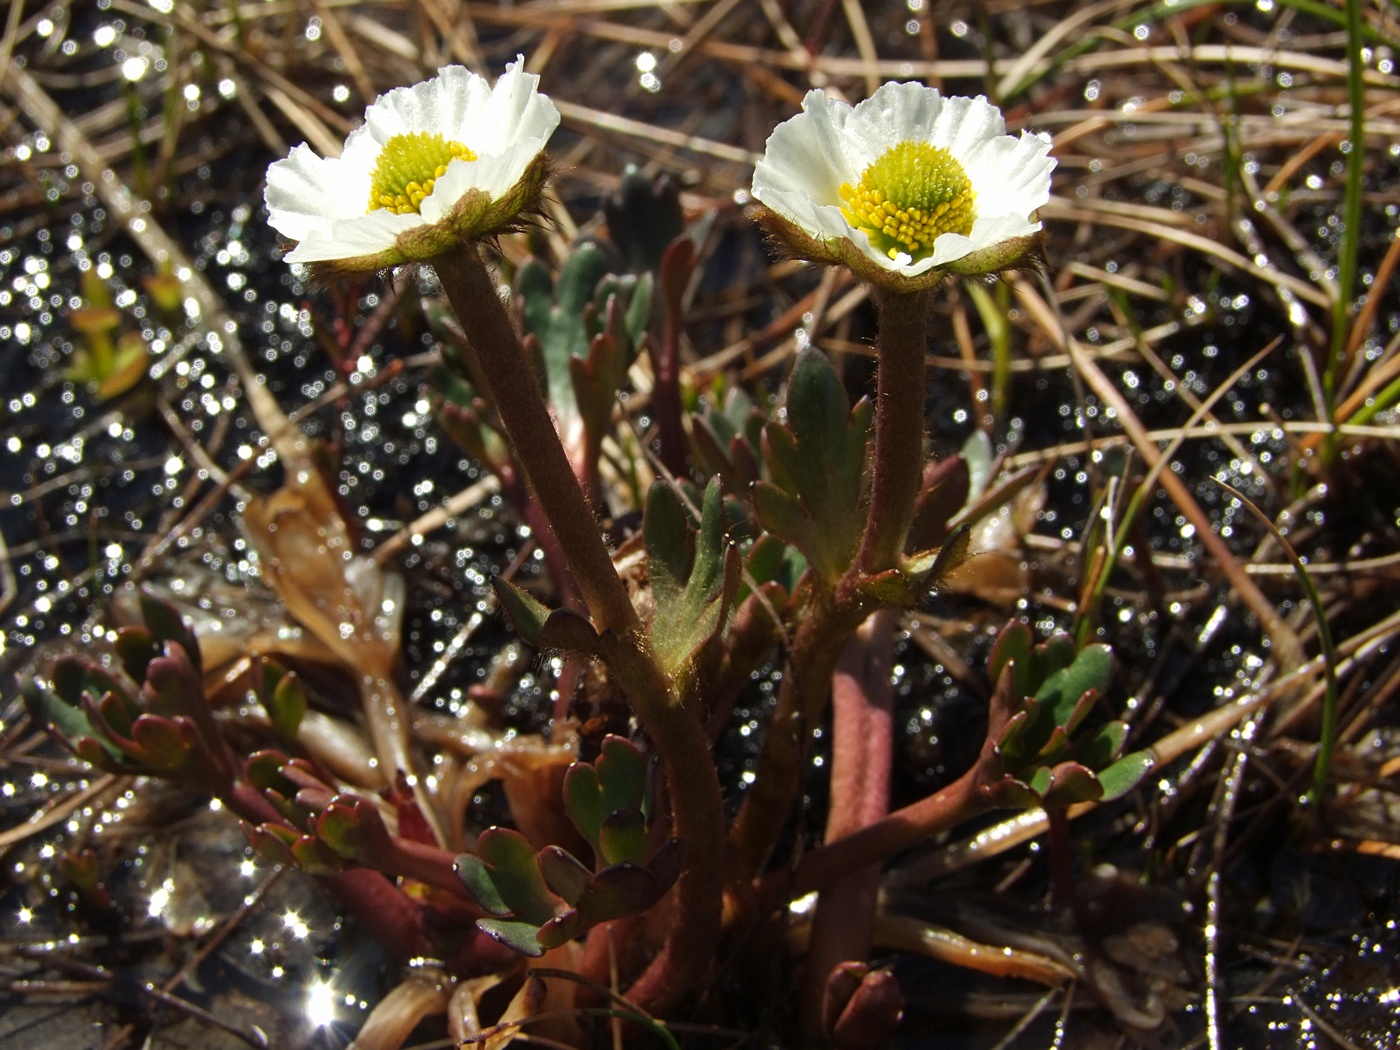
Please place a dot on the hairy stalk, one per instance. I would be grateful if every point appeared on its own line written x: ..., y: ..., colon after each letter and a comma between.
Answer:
x: 514, y: 390
x: 899, y: 428
x: 697, y: 815
x: 898, y: 471
x: 696, y: 804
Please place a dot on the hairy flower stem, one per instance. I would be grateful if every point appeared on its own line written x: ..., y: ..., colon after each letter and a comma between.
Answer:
x: 898, y: 472
x: 697, y: 816
x: 899, y: 427
x: 514, y: 390
x: 696, y: 804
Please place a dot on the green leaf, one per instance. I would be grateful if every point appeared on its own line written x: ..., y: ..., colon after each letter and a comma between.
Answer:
x: 68, y: 722
x: 564, y: 873
x: 583, y: 801
x: 167, y: 627
x: 817, y: 464
x: 1125, y: 774
x: 692, y: 592
x: 525, y: 612
x: 516, y: 874
x: 1062, y: 692
x: 553, y: 312
x: 136, y: 649
x: 522, y: 937
x: 476, y: 877
x: 623, y: 837
x: 1102, y: 748
x: 284, y: 699
x: 1013, y: 646
x: 338, y: 826
x: 622, y: 774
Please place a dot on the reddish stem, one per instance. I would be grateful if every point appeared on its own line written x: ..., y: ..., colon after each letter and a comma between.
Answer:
x: 862, y: 704
x: 513, y: 389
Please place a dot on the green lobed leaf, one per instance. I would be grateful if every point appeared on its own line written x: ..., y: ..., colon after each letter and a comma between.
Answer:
x: 167, y: 628
x: 1062, y: 691
x: 1013, y: 646
x: 693, y: 591
x: 285, y: 702
x: 817, y: 461
x: 68, y: 722
x: 516, y: 874
x: 136, y: 648
x: 583, y: 801
x: 564, y: 873
x: 1102, y: 747
x: 476, y: 877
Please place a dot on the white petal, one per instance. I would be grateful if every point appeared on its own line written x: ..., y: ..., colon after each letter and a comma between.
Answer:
x: 349, y: 238
x: 305, y: 191
x: 1011, y: 176
x: 810, y: 156
x: 895, y: 113
x: 514, y: 112
x: 437, y: 105
x: 805, y: 156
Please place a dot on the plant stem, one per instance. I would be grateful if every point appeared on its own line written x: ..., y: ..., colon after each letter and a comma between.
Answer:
x: 902, y: 829
x: 696, y: 804
x: 697, y: 815
x: 802, y: 697
x: 1339, y: 356
x: 862, y: 708
x: 514, y: 390
x: 899, y: 428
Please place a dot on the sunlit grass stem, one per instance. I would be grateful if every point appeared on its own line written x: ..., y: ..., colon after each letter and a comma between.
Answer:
x: 1349, y: 248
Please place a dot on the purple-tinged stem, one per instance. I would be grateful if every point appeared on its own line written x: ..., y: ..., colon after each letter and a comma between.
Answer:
x: 862, y: 710
x: 899, y: 428
x: 513, y: 388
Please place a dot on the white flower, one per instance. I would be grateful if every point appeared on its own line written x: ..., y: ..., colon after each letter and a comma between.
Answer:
x: 916, y: 182
x: 447, y: 160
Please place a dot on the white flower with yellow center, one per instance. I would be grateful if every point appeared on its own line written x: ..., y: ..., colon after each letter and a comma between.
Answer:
x: 443, y: 162
x: 904, y: 186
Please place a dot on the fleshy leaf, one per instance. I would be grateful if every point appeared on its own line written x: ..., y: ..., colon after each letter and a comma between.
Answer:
x: 623, y: 837
x: 1125, y: 774
x: 516, y: 874
x: 522, y: 937
x: 817, y: 464
x: 1013, y: 646
x: 1062, y: 691
x: 564, y: 873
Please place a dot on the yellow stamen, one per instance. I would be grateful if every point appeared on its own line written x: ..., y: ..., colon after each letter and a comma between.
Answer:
x: 911, y: 195
x: 407, y: 168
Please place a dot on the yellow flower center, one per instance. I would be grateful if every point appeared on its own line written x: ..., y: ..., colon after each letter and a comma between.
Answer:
x: 407, y: 168
x: 913, y: 193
